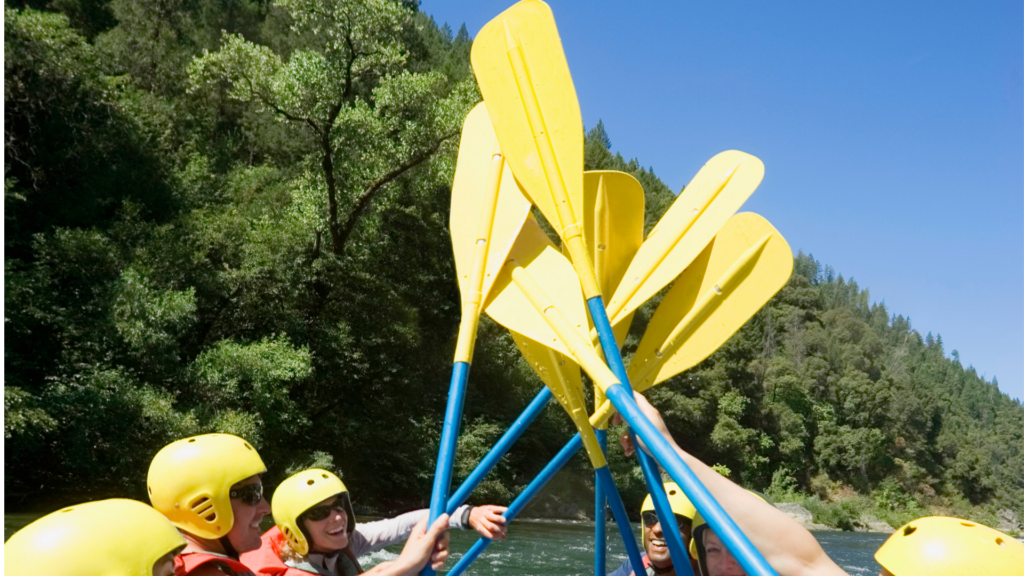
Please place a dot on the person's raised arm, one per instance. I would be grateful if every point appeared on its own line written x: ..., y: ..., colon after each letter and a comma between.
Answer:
x: 787, y: 546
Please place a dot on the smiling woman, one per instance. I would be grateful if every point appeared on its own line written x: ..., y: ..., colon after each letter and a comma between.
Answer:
x: 316, y: 532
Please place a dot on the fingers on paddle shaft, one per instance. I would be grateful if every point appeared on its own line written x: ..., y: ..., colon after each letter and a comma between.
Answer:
x: 730, y: 280
x: 487, y: 212
x: 708, y: 201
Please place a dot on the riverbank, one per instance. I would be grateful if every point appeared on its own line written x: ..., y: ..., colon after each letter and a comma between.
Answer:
x: 862, y: 514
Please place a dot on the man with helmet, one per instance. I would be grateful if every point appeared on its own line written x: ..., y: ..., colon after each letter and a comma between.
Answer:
x: 934, y: 546
x: 316, y: 532
x: 209, y: 487
x: 95, y: 539
x: 657, y: 559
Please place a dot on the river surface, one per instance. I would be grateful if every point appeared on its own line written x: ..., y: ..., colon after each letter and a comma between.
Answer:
x: 567, y: 548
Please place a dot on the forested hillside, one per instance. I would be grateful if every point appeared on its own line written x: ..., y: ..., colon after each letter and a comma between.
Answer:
x: 232, y: 216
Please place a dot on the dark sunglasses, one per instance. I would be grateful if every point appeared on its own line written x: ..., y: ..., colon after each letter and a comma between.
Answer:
x: 318, y: 513
x: 251, y: 494
x: 651, y: 518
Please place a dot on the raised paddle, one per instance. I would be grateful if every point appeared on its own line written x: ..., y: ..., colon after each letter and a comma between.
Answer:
x: 753, y: 289
x: 746, y: 264
x: 708, y: 201
x: 522, y: 72
x: 613, y: 231
x: 518, y: 282
x: 483, y: 186
x: 513, y: 305
x: 524, y: 77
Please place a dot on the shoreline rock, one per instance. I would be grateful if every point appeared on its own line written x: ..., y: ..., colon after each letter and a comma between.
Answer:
x: 803, y: 516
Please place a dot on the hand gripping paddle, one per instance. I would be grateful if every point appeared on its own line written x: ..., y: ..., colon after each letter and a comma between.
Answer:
x: 483, y: 187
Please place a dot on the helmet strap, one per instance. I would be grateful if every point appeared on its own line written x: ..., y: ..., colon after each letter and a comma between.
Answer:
x: 229, y: 550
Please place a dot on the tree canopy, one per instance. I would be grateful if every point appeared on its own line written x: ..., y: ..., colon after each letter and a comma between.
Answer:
x: 232, y: 216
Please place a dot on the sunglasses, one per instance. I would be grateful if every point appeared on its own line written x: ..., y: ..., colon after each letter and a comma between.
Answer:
x: 251, y: 494
x: 320, y: 512
x: 651, y: 518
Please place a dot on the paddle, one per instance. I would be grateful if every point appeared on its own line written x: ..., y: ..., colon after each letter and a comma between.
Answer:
x: 755, y: 289
x: 518, y: 281
x: 525, y: 80
x: 514, y: 305
x: 483, y: 185
x: 613, y: 231
x: 708, y: 201
x: 732, y: 278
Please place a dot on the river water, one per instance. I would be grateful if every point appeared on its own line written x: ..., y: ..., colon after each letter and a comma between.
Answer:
x: 567, y: 548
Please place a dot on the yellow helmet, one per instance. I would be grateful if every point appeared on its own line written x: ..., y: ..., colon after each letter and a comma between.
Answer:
x: 301, y: 492
x: 190, y: 481
x: 676, y: 499
x: 938, y: 545
x: 105, y: 538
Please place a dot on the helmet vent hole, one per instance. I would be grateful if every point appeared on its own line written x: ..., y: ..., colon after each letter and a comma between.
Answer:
x: 247, y: 445
x: 909, y: 530
x: 324, y: 475
x: 310, y: 482
x: 66, y: 510
x: 150, y: 488
x: 999, y: 542
x: 191, y: 440
x: 968, y: 524
x: 203, y: 507
x: 671, y: 492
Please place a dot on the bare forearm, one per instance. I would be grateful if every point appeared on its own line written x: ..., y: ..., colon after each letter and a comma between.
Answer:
x: 785, y: 544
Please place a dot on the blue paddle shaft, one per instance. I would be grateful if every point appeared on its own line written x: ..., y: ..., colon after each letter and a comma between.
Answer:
x: 449, y: 443
x: 669, y: 527
x: 517, y: 505
x: 621, y: 519
x: 500, y: 449
x: 737, y: 542
x: 600, y: 528
x: 612, y: 355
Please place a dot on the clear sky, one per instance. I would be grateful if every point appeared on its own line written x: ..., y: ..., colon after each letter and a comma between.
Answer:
x: 892, y: 135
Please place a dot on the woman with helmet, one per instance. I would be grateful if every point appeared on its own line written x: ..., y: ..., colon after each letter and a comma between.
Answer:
x: 316, y: 532
x: 209, y: 487
x: 657, y: 559
x: 709, y: 554
x: 95, y: 539
x: 934, y: 546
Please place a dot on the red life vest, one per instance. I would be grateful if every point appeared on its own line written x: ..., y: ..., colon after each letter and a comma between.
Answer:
x: 185, y: 564
x: 267, y: 560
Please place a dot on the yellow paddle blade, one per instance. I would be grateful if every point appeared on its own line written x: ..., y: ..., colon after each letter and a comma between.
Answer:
x: 731, y: 279
x: 715, y: 193
x: 507, y: 304
x: 613, y: 229
x: 524, y: 78
x: 562, y: 376
x: 486, y: 205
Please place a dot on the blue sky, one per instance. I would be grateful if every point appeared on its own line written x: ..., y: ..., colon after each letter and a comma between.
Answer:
x: 892, y: 135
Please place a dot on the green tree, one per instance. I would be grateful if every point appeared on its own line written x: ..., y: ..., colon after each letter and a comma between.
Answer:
x: 371, y: 119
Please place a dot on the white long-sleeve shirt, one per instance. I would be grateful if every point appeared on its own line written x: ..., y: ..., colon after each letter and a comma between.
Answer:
x: 369, y: 537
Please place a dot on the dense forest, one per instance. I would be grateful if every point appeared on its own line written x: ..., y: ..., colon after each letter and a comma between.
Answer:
x: 231, y: 215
